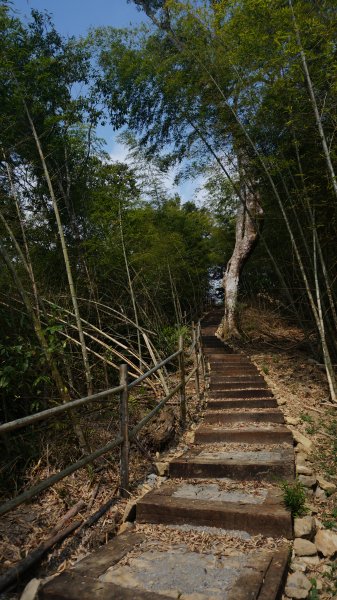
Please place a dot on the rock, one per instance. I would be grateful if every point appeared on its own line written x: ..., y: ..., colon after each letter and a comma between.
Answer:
x: 296, y: 565
x: 297, y: 586
x: 301, y: 458
x: 151, y: 479
x: 308, y: 482
x: 301, y: 439
x: 326, y: 542
x: 281, y: 401
x: 320, y: 494
x: 310, y: 560
x: 304, y: 547
x: 327, y: 486
x: 129, y: 511
x: 162, y: 468
x: 125, y: 527
x: 303, y: 470
x: 304, y: 528
x: 190, y: 437
x: 292, y: 421
x: 31, y: 589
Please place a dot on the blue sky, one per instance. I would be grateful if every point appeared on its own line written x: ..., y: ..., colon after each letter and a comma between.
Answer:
x: 75, y: 17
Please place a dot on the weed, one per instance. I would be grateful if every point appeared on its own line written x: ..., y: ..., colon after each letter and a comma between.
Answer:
x: 329, y: 519
x: 331, y: 577
x: 311, y: 429
x: 305, y: 417
x: 294, y: 497
x: 314, y: 593
x: 265, y: 369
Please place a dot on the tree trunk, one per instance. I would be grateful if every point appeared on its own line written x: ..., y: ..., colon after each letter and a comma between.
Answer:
x: 246, y: 238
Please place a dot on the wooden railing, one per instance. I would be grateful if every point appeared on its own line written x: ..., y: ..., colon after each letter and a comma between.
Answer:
x: 125, y: 434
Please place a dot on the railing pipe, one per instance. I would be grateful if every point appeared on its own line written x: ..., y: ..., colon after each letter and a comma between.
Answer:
x: 182, y: 381
x: 124, y: 431
x: 51, y: 412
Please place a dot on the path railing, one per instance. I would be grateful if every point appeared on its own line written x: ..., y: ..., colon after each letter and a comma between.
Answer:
x: 125, y: 434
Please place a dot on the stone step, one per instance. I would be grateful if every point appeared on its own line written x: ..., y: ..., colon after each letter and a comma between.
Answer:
x: 258, y: 511
x: 156, y: 573
x: 250, y: 393
x: 208, y: 434
x: 222, y: 354
x: 263, y: 465
x: 214, y: 361
x: 236, y: 369
x: 223, y: 404
x: 247, y: 384
x: 227, y: 416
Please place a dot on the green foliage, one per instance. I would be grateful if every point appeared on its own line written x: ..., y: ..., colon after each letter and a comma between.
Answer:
x: 294, y: 497
x: 169, y: 338
x: 314, y: 592
x: 329, y: 519
x: 331, y: 579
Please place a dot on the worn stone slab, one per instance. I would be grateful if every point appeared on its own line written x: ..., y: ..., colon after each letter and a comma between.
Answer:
x: 272, y: 415
x: 227, y: 403
x: 262, y: 465
x: 224, y: 367
x: 250, y: 393
x: 151, y: 574
x: 206, y: 505
x: 224, y: 380
x: 244, y: 435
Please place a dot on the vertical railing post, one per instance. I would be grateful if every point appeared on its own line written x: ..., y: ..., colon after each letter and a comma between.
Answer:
x: 195, y: 343
x: 124, y: 431
x: 182, y: 391
x: 203, y: 364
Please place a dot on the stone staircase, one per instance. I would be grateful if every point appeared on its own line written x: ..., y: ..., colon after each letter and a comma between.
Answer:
x: 223, y: 487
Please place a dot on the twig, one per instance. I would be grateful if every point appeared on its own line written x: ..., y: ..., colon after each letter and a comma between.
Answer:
x: 321, y: 412
x: 14, y: 574
x: 93, y: 496
x: 142, y: 449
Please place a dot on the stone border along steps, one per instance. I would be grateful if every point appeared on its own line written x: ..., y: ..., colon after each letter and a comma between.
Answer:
x: 223, y: 486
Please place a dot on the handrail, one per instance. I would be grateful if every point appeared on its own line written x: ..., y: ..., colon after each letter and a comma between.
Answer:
x: 51, y: 412
x: 120, y: 440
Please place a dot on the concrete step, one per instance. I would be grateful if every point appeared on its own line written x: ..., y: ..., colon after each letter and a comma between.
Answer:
x: 228, y: 403
x: 219, y: 366
x: 247, y: 384
x: 228, y: 416
x: 258, y: 511
x: 250, y: 393
x: 154, y: 572
x: 208, y: 434
x: 201, y: 462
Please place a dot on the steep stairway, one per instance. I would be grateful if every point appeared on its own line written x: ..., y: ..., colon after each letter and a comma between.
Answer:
x: 217, y: 528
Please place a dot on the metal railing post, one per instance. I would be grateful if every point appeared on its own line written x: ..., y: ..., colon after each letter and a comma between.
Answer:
x: 203, y: 363
x: 124, y: 431
x: 182, y: 391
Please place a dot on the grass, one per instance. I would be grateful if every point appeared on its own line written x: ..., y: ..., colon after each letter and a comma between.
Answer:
x: 294, y: 497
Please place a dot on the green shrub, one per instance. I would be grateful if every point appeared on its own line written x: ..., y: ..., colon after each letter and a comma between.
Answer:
x: 294, y: 497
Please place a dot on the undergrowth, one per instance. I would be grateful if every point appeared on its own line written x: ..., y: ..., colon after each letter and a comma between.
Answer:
x: 294, y: 497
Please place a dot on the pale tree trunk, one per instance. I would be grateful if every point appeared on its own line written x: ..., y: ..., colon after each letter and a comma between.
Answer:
x: 246, y: 237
